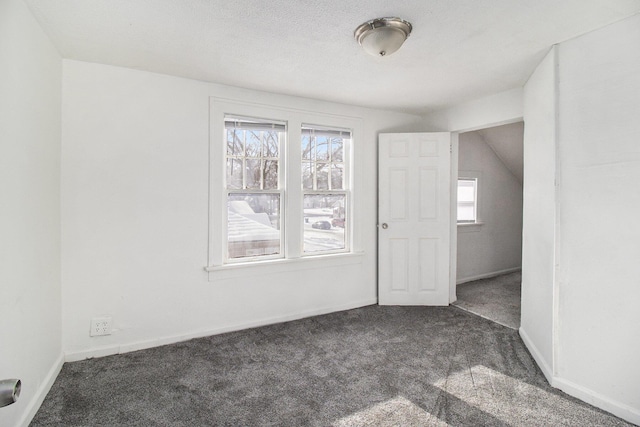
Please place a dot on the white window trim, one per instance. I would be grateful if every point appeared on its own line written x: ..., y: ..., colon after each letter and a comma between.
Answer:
x: 292, y: 223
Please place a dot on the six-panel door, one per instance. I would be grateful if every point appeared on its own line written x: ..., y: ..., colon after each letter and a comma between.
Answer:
x: 414, y: 218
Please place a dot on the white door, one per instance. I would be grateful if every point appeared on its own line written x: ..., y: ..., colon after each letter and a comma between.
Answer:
x: 414, y: 217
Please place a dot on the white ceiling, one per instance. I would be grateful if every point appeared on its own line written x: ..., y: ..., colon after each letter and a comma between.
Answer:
x: 459, y: 49
x: 507, y: 142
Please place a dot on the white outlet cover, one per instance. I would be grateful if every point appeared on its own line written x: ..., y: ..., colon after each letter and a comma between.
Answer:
x: 100, y: 326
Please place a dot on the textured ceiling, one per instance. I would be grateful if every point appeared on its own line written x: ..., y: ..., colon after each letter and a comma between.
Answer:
x: 459, y: 49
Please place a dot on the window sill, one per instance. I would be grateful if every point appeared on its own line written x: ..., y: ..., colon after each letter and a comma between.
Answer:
x: 469, y: 227
x: 258, y: 268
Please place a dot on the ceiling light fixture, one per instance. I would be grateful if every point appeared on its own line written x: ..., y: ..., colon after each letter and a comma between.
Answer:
x: 382, y: 36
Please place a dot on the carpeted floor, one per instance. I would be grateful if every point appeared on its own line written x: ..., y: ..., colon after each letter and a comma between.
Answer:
x: 374, y: 366
x: 497, y: 298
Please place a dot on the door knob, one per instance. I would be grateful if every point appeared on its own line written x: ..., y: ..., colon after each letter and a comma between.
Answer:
x: 384, y: 226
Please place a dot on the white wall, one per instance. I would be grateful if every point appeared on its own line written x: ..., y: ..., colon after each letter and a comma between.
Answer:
x: 135, y: 213
x: 498, y: 109
x: 580, y: 235
x: 599, y: 273
x: 495, y: 245
x: 30, y: 335
x: 539, y: 217
x: 580, y: 271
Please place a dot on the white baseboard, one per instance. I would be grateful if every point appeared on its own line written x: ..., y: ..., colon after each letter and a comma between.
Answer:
x: 618, y: 409
x: 41, y: 393
x: 537, y: 356
x: 141, y: 345
x: 487, y: 275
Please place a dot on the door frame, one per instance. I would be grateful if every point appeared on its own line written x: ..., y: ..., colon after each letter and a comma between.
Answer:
x: 453, y: 232
x: 453, y: 263
x: 453, y: 255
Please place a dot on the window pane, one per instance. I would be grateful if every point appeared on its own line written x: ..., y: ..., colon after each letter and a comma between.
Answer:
x: 271, y: 144
x: 307, y: 147
x: 253, y: 225
x: 322, y: 147
x: 270, y: 175
x: 253, y: 173
x: 324, y: 222
x: 307, y: 176
x: 337, y: 149
x: 234, y: 142
x: 466, y: 190
x: 337, y: 171
x: 254, y: 144
x: 322, y: 176
x: 466, y: 213
x: 234, y: 173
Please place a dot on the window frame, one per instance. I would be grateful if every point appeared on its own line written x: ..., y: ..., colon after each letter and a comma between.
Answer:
x: 344, y: 191
x: 478, y: 223
x: 473, y: 203
x: 280, y: 190
x: 292, y: 199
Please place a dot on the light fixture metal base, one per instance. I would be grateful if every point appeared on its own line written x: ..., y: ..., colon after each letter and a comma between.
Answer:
x: 385, y: 35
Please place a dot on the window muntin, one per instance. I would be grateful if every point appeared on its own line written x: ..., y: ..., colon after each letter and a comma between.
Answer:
x: 467, y: 200
x: 325, y: 189
x: 254, y: 188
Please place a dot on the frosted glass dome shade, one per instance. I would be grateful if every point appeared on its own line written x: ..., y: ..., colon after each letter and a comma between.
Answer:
x: 383, y: 36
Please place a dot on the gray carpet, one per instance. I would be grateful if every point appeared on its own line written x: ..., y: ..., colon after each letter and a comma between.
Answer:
x: 374, y: 366
x: 496, y: 299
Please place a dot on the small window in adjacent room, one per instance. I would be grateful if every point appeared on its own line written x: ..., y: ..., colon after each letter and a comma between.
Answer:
x: 467, y: 200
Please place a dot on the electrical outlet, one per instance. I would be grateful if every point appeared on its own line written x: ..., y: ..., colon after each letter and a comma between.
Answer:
x: 100, y: 326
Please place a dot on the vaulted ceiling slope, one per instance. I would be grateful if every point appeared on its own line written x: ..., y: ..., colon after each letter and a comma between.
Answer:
x: 507, y: 141
x: 459, y: 50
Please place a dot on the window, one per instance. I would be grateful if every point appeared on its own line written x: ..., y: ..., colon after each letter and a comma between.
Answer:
x: 254, y: 189
x: 280, y: 188
x: 324, y: 185
x: 467, y: 200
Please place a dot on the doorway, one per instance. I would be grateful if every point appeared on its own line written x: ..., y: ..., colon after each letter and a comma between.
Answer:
x: 489, y: 214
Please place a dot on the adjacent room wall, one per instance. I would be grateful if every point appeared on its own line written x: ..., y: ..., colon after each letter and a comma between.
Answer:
x: 539, y: 217
x: 598, y: 274
x: 135, y: 215
x: 494, y: 246
x: 30, y: 335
